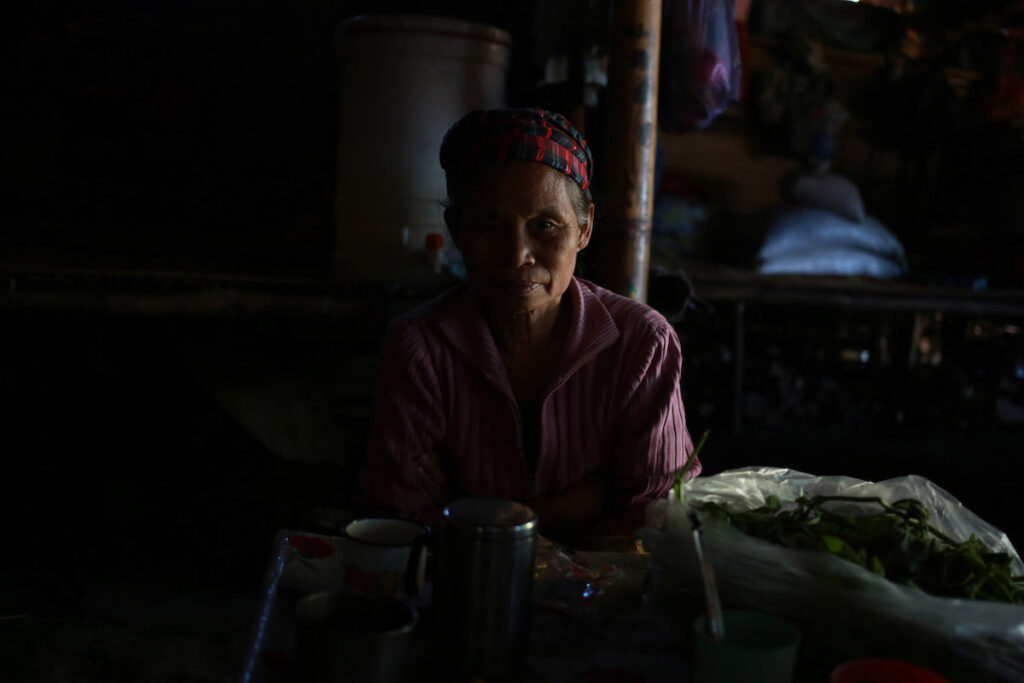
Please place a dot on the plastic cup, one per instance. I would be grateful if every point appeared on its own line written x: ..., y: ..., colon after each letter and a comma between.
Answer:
x: 883, y: 671
x: 756, y: 647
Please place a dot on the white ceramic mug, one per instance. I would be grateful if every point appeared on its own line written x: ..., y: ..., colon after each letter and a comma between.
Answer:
x: 385, y: 557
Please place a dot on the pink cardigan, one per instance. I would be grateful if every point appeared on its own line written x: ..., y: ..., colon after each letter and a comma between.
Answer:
x: 615, y: 403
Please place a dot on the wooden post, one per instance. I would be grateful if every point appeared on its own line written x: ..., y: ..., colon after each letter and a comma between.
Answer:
x: 624, y: 231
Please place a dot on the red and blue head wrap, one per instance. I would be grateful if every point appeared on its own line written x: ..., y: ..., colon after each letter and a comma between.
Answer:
x: 483, y: 137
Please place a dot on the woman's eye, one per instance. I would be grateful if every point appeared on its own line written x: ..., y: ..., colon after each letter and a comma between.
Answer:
x: 547, y: 226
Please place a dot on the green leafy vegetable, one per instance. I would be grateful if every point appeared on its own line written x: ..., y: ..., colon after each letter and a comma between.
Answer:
x: 897, y: 542
x: 677, y: 488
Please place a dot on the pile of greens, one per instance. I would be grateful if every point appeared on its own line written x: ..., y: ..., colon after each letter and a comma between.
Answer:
x: 897, y: 543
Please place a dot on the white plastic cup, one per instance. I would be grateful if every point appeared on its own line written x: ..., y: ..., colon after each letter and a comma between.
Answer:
x: 757, y: 647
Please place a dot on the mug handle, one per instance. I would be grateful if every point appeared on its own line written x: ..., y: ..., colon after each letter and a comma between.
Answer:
x: 415, y: 579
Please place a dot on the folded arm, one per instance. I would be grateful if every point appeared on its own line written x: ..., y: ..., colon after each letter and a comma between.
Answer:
x: 563, y: 513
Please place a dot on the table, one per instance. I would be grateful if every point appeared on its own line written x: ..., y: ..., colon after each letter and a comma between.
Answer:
x: 619, y: 635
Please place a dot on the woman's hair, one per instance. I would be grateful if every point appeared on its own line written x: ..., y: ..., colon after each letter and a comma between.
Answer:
x: 580, y: 204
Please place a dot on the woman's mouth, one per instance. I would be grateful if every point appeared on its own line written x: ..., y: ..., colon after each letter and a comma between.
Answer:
x: 516, y: 287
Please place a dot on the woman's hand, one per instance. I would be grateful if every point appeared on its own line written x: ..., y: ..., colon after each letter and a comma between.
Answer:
x: 572, y: 509
x: 434, y: 479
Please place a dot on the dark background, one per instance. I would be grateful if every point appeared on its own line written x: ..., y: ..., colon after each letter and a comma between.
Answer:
x: 189, y: 134
x: 150, y: 458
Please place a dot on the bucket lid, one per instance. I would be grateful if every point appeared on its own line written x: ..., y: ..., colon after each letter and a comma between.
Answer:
x: 490, y: 518
x: 424, y: 24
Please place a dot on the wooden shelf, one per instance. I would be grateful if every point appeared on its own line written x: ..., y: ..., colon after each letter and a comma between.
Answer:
x: 850, y: 66
x: 208, y: 294
x: 167, y: 293
x: 722, y: 284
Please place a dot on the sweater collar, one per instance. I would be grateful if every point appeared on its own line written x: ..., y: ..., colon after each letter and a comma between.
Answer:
x: 592, y: 329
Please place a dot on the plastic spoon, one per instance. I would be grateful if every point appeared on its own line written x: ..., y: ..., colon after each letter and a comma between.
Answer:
x: 716, y: 626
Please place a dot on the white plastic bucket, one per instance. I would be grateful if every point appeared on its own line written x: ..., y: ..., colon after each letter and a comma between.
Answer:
x: 404, y: 81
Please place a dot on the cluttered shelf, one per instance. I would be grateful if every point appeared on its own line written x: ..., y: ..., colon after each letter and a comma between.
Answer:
x: 717, y: 283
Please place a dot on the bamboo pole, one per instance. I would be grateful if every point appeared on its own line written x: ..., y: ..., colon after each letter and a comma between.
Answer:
x: 623, y: 249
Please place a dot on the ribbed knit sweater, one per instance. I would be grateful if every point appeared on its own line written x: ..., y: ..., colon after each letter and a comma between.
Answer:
x: 614, y: 404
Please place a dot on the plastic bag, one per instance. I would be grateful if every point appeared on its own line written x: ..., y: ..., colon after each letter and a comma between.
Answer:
x: 816, y: 587
x: 700, y: 63
x: 829, y: 191
x: 565, y: 581
x: 812, y: 241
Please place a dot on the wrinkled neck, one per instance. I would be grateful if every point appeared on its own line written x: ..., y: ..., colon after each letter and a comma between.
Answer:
x: 520, y: 334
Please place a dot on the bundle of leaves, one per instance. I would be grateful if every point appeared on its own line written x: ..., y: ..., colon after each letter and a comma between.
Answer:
x: 897, y: 543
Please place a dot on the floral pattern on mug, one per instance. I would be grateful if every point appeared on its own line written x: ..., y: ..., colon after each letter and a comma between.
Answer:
x: 311, y: 546
x: 306, y: 549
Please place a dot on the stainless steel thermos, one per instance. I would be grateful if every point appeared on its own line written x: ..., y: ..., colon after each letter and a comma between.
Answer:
x: 482, y: 587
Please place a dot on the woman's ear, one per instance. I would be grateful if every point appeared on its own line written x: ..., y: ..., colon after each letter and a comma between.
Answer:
x: 586, y: 230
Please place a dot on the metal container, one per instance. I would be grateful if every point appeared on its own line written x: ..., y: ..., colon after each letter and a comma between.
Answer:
x: 483, y: 587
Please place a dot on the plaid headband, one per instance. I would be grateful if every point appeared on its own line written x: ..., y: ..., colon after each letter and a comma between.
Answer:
x: 517, y: 135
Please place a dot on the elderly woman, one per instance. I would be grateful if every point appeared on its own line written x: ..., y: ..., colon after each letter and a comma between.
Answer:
x: 527, y: 383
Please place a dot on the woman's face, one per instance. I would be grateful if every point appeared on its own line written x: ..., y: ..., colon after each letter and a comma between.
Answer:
x: 518, y: 232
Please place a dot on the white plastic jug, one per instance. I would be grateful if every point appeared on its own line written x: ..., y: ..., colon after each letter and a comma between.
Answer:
x: 404, y: 81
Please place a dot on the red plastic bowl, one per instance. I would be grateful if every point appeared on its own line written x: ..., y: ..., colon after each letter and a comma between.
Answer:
x: 883, y: 671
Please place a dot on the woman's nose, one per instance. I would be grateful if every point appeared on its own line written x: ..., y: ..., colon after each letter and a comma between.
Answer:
x: 517, y: 247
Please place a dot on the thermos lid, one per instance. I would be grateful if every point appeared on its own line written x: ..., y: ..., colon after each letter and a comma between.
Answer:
x: 490, y: 518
